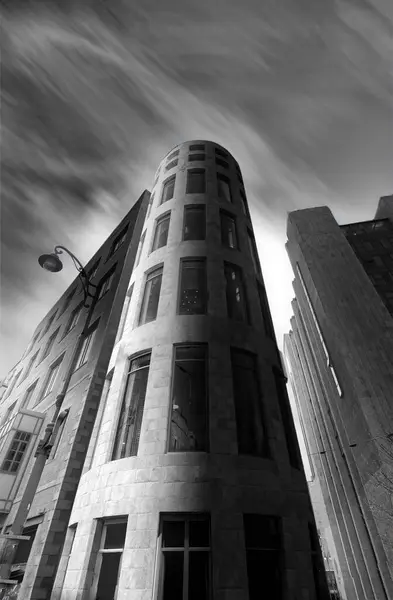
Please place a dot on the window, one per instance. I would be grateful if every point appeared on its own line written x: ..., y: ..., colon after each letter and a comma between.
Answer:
x: 105, y: 284
x: 251, y: 435
x: 317, y: 564
x: 228, y: 230
x: 267, y: 319
x: 73, y: 318
x: 254, y: 252
x: 287, y: 419
x: 48, y: 325
x: 149, y: 206
x: 131, y: 413
x: 29, y: 394
x: 239, y: 174
x: 107, y: 567
x: 93, y: 271
x: 15, y: 454
x: 86, y: 346
x: 193, y: 296
x: 67, y: 302
x: 224, y: 188
x: 195, y: 147
x: 161, y: 233
x: 235, y: 293
x: 189, y: 428
x: 53, y: 371
x: 59, y: 434
x: 118, y: 241
x: 13, y: 383
x: 50, y: 343
x: 222, y: 163
x: 9, y: 413
x: 124, y: 313
x: 264, y: 559
x: 170, y: 165
x: 196, y: 183
x: 221, y: 153
x: 196, y: 157
x: 243, y: 200
x: 168, y: 189
x: 184, y: 557
x: 24, y: 547
x: 151, y: 297
x: 140, y: 248
x: 31, y: 363
x: 194, y: 226
x: 173, y: 154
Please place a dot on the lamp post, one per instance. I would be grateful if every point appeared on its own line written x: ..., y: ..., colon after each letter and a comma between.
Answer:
x: 49, y: 262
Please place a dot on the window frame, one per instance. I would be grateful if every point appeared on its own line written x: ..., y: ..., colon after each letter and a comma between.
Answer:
x: 13, y: 461
x: 85, y: 346
x: 149, y: 276
x: 67, y: 301
x: 101, y: 551
x: 50, y: 343
x: 106, y: 283
x: 223, y: 177
x: 190, y: 208
x: 220, y: 162
x: 70, y: 323
x: 221, y: 153
x: 229, y: 215
x: 199, y: 171
x: 197, y: 157
x: 173, y: 154
x: 164, y: 217
x: 172, y: 164
x: 139, y: 251
x: 199, y: 259
x: 55, y: 365
x: 252, y: 246
x: 118, y: 241
x: 196, y: 148
x: 239, y: 270
x: 30, y: 390
x: 165, y: 184
x: 244, y: 203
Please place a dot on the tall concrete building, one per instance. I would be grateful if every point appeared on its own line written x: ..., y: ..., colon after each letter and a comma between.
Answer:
x: 189, y: 479
x: 339, y: 358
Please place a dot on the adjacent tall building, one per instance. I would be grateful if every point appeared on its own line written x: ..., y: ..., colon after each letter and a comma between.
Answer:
x: 339, y: 358
x: 177, y: 473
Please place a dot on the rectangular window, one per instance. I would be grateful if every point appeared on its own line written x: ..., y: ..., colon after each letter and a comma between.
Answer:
x: 105, y: 284
x: 222, y: 163
x: 194, y: 226
x: 254, y: 252
x: 228, y: 230
x: 131, y: 413
x: 264, y: 558
x: 243, y: 200
x: 29, y: 394
x: 196, y: 182
x: 73, y: 318
x: 184, y: 557
x: 118, y: 241
x: 196, y: 157
x: 287, y: 419
x: 267, y: 319
x: 124, y: 313
x: 139, y: 251
x: 149, y: 206
x: 86, y: 346
x: 197, y: 147
x: 189, y: 427
x: 48, y: 325
x: 236, y: 293
x: 31, y: 363
x: 13, y: 383
x: 161, y: 233
x: 171, y: 164
x: 193, y: 296
x: 93, y: 271
x: 53, y: 371
x: 317, y: 564
x: 8, y: 413
x: 168, y: 189
x: 107, y: 568
x: 151, y: 297
x: 221, y: 153
x: 173, y: 154
x: 59, y: 435
x: 224, y: 188
x: 49, y: 345
x: 24, y: 547
x: 251, y: 435
x: 16, y: 452
x: 67, y: 302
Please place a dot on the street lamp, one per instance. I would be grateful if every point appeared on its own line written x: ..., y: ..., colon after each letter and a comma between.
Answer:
x: 52, y: 263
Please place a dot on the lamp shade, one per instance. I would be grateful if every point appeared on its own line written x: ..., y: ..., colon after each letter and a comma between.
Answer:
x: 50, y: 262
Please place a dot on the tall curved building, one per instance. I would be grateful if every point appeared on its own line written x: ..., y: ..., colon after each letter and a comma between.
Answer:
x: 192, y: 487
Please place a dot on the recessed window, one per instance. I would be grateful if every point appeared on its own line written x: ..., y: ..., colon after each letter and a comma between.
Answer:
x: 8, y: 413
x: 131, y: 413
x: 263, y: 541
x: 140, y: 248
x: 267, y: 319
x: 184, y: 557
x: 224, y: 187
x: 168, y: 189
x: 193, y: 300
x: 151, y: 297
x: 29, y: 394
x: 67, y: 301
x: 287, y: 420
x: 243, y: 200
x: 107, y: 568
x: 105, y: 284
x: 86, y: 346
x: 60, y: 432
x: 251, y: 436
x: 196, y: 147
x: 161, y: 232
x: 16, y: 452
x: 118, y: 241
x: 189, y: 428
x: 222, y: 163
x: 194, y: 227
x: 53, y: 371
x: 173, y: 154
x: 31, y: 363
x: 228, y: 230
x: 93, y: 271
x: 73, y: 318
x: 317, y: 564
x: 221, y: 153
x: 196, y: 157
x: 254, y: 252
x: 149, y: 206
x: 48, y: 325
x: 24, y: 546
x: 235, y: 293
x: 49, y: 345
x: 13, y: 383
x: 124, y: 313
x: 196, y: 183
x: 171, y: 164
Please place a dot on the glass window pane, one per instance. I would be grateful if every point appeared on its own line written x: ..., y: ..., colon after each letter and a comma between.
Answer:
x: 168, y: 190
x: 115, y: 535
x: 224, y: 190
x: 194, y: 223
x: 171, y: 164
x: 222, y: 163
x: 140, y: 248
x: 173, y: 534
x: 173, y: 154
x: 235, y: 292
x: 199, y: 534
x: 195, y: 157
x: 221, y: 153
x: 196, y: 181
x: 262, y: 531
x: 228, y: 231
x: 151, y: 297
x: 264, y: 566
x: 109, y: 575
x: 244, y: 203
x: 161, y: 233
x: 191, y: 352
x: 197, y: 147
x: 198, y: 576
x: 172, y: 575
x: 193, y: 287
x: 254, y: 252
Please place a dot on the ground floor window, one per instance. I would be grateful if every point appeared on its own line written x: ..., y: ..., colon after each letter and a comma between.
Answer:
x: 107, y: 571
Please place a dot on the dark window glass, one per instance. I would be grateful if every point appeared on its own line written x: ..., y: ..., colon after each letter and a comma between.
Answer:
x: 140, y: 248
x: 50, y: 343
x: 31, y: 363
x: 115, y: 535
x: 105, y: 284
x: 171, y: 164
x: 124, y: 313
x: 195, y: 147
x: 221, y: 153
x: 118, y: 241
x: 109, y: 575
x: 173, y: 154
x: 8, y: 413
x: 196, y: 157
x: 73, y: 318
x: 130, y: 420
x: 243, y: 200
x: 267, y: 320
x: 168, y: 189
x: 317, y: 565
x: 149, y: 206
x: 24, y: 547
x: 222, y: 163
x: 92, y: 272
x: 254, y: 252
x: 224, y: 187
x: 87, y: 346
x: 189, y: 429
x: 251, y: 436
x: 161, y: 232
x: 228, y: 230
x: 287, y: 419
x: 48, y: 325
x: 151, y: 297
x: 67, y: 301
x: 48, y: 387
x: 29, y: 394
x: 15, y: 454
x: 236, y: 293
x: 264, y: 556
x: 196, y: 183
x: 194, y: 222
x: 173, y: 533
x: 193, y: 287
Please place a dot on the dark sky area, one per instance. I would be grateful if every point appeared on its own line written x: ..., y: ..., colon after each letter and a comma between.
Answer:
x: 95, y: 93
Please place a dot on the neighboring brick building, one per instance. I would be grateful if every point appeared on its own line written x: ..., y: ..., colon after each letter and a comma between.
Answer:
x: 192, y: 484
x: 339, y: 356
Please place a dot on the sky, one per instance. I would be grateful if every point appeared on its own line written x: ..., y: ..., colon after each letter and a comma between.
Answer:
x: 95, y: 93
